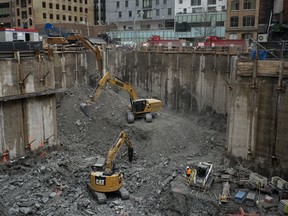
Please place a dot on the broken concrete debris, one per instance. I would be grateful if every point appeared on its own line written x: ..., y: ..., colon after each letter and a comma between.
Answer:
x: 55, y: 184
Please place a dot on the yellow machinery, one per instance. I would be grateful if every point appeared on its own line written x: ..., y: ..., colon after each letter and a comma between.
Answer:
x: 76, y: 39
x: 109, y: 179
x: 139, y: 107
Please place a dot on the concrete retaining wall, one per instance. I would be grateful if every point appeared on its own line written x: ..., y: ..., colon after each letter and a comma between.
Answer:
x: 28, y: 88
x: 257, y: 121
x: 185, y: 82
x: 27, y: 124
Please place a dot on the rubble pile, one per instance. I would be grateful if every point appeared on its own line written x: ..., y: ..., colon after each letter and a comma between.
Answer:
x: 54, y: 181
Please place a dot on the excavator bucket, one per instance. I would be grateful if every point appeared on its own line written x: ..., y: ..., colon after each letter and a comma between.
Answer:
x: 85, y: 108
x: 130, y: 154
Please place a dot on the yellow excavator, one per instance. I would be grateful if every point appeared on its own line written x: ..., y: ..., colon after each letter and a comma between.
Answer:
x: 79, y: 39
x: 139, y: 108
x: 105, y: 179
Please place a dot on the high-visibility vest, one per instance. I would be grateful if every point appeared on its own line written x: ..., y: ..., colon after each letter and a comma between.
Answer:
x: 188, y: 171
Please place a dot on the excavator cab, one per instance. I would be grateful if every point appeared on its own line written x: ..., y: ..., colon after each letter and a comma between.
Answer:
x: 138, y: 106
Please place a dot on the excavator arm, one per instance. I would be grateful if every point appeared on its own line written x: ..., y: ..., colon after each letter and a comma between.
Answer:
x: 85, y: 107
x: 115, y: 149
x: 95, y: 49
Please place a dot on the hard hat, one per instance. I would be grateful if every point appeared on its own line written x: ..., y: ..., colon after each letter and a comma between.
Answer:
x: 187, y: 167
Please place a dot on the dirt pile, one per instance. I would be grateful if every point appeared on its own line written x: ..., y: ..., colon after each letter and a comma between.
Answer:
x: 54, y: 183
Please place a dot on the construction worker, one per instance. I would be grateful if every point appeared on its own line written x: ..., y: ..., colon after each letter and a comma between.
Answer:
x: 188, y: 171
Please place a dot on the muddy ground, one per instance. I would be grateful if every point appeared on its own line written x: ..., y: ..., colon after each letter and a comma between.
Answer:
x: 54, y: 182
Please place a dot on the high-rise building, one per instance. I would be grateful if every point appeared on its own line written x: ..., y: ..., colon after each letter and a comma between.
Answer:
x: 242, y: 19
x: 99, y: 12
x: 199, y: 19
x: 67, y: 15
x: 141, y: 14
x: 7, y: 18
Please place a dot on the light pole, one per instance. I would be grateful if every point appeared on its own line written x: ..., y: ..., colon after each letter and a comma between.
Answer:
x: 163, y: 27
x: 134, y: 22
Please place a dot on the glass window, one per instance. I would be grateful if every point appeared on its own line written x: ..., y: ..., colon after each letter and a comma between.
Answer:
x: 117, y: 4
x: 75, y: 9
x: 44, y: 15
x: 219, y: 23
x: 248, y: 21
x: 147, y: 14
x: 30, y: 10
x: 164, y: 2
x: 86, y: 10
x: 24, y: 14
x: 195, y: 2
x: 57, y: 6
x: 81, y: 9
x: 50, y: 5
x: 233, y: 36
x: 51, y: 16
x: 180, y: 1
x: 63, y: 7
x: 130, y: 13
x: 213, y: 2
x: 43, y: 4
x: 69, y: 7
x: 18, y: 12
x: 57, y: 16
x: 126, y: 3
x: 234, y: 21
x: 23, y: 3
x: 137, y: 2
x: 157, y: 2
x: 235, y: 5
x: 249, y: 4
x: 75, y: 18
x: 119, y: 14
x: 63, y: 17
x: 70, y: 18
x: 169, y: 11
x: 157, y: 12
x: 247, y: 35
x: 147, y: 3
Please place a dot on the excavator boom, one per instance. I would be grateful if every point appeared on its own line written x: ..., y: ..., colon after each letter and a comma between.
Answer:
x: 85, y: 107
x: 89, y: 45
x: 115, y: 149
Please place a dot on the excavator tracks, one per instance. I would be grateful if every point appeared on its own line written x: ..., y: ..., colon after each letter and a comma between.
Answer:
x: 101, y: 197
x: 148, y: 117
x: 124, y: 193
x: 130, y: 117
